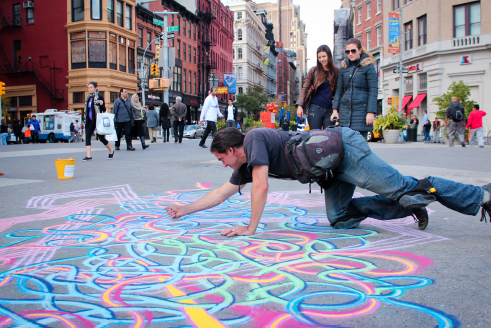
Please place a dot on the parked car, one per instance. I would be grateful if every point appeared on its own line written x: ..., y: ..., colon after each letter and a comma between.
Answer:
x: 193, y: 131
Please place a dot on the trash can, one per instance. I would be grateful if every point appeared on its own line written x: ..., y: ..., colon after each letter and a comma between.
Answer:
x: 65, y: 168
x: 412, y: 135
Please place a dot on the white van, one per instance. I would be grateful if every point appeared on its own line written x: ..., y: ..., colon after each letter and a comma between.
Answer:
x: 55, y: 125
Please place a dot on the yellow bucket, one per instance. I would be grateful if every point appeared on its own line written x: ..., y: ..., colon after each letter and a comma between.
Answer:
x: 65, y: 168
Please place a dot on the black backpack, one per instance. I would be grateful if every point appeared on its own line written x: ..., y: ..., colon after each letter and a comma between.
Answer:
x: 457, y: 113
x: 312, y: 156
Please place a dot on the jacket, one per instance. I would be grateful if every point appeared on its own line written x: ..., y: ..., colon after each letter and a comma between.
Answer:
x: 122, y: 110
x: 102, y: 109
x: 311, y: 85
x: 210, y: 109
x: 17, y: 129
x: 35, y: 124
x: 361, y: 95
x: 474, y: 121
x: 225, y: 112
x: 165, y: 119
x: 179, y: 111
x: 152, y: 119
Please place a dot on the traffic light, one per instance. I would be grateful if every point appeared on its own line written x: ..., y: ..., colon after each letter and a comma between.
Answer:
x: 2, y: 88
x: 153, y: 69
x: 157, y: 48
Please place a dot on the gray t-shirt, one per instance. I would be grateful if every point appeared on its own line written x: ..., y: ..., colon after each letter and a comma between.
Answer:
x: 263, y: 146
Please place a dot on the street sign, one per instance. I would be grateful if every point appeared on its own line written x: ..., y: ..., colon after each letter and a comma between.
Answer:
x: 222, y: 90
x: 158, y: 22
x: 405, y: 70
x: 171, y: 36
x: 172, y: 28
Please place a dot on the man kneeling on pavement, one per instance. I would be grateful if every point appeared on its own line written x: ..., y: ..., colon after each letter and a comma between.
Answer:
x: 261, y: 154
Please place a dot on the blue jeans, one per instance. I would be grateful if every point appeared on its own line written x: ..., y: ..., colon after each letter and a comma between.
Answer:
x: 362, y: 168
x: 427, y: 136
x: 5, y: 136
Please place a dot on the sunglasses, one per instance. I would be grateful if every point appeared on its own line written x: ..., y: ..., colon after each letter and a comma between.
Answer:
x: 353, y: 51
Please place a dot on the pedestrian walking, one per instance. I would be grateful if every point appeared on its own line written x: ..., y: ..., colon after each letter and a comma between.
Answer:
x: 285, y: 123
x: 261, y: 153
x: 179, y: 111
x: 17, y: 131
x: 78, y: 131
x: 318, y: 91
x: 94, y: 104
x: 72, y: 133
x: 139, y: 118
x: 209, y: 114
x: 456, y: 113
x: 5, y: 132
x: 165, y: 121
x: 355, y: 102
x: 427, y: 130
x: 152, y: 123
x: 425, y: 118
x: 123, y: 117
x: 230, y: 114
x: 474, y: 124
x: 37, y: 129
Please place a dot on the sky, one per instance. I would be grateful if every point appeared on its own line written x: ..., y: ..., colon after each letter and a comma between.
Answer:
x: 318, y: 15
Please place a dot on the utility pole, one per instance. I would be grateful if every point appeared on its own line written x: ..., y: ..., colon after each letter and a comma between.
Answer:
x: 401, y: 33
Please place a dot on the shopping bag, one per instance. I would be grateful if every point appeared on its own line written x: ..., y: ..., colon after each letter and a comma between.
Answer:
x: 105, y: 124
x: 112, y: 137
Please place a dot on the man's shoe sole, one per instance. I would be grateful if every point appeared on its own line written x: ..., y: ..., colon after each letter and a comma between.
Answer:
x: 416, y: 201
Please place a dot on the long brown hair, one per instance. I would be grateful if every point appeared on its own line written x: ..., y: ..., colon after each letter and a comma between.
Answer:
x: 333, y: 70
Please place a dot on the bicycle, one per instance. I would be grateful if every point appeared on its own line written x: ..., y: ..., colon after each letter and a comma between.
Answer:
x: 487, y: 139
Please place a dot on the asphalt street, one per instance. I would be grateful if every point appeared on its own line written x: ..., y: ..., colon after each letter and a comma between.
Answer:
x: 99, y: 251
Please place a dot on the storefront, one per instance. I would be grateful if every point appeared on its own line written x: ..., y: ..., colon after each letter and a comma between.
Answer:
x: 193, y: 108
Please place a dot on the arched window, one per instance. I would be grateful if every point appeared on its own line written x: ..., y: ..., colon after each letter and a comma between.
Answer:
x: 239, y: 53
x: 239, y: 35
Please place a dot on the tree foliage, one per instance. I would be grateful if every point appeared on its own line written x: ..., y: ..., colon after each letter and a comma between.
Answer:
x: 393, y: 120
x: 5, y: 101
x: 458, y: 89
x: 253, y: 101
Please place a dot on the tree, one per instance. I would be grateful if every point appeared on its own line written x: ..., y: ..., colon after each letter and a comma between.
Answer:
x: 5, y: 101
x: 253, y: 101
x: 458, y: 89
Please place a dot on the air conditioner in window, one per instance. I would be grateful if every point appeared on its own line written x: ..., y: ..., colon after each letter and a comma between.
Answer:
x: 28, y: 4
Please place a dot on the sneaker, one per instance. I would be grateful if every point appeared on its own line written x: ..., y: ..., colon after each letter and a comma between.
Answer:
x: 130, y: 148
x: 463, y: 145
x: 110, y: 156
x: 486, y: 207
x: 117, y: 147
x: 203, y: 146
x: 85, y: 159
x: 481, y: 146
x: 421, y: 216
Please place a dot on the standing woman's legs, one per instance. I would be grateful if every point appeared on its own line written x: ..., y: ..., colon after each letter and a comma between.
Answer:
x: 89, y: 129
x: 106, y: 143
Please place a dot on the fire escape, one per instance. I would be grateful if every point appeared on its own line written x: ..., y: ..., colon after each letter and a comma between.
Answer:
x: 206, y: 63
x: 27, y: 68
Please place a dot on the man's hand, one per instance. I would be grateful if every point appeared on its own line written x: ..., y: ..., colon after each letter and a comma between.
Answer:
x: 370, y: 118
x: 176, y: 211
x: 237, y: 231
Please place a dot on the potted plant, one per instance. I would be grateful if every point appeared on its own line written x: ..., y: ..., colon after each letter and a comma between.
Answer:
x: 390, y: 125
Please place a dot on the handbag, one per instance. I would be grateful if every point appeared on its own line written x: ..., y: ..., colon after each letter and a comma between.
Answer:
x: 105, y: 124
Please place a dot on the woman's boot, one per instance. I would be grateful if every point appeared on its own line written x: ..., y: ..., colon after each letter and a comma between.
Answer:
x: 143, y: 143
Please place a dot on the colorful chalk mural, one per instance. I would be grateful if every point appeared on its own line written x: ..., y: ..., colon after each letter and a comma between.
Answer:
x: 139, y: 268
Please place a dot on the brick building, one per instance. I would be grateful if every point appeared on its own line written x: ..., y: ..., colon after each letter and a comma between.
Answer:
x: 282, y: 71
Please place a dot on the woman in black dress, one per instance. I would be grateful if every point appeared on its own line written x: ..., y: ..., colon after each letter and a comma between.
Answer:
x: 165, y: 116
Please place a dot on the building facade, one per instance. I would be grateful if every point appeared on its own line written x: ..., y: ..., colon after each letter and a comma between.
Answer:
x: 447, y: 41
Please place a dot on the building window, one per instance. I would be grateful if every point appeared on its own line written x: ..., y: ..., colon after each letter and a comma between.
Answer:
x: 359, y: 15
x: 113, y: 96
x: 78, y: 50
x: 77, y: 10
x: 97, y: 49
x: 241, y: 73
x: 379, y: 36
x: 178, y: 48
x: 239, y: 35
x: 369, y: 40
x: 131, y: 57
x: 467, y: 19
x: 280, y: 70
x: 179, y: 25
x: 189, y: 29
x: 194, y: 32
x: 369, y: 10
x: 149, y: 41
x: 95, y: 9
x: 239, y: 53
x: 241, y: 90
x: 16, y: 14
x: 423, y: 81
x: 25, y: 101
x: 189, y: 53
x: 281, y: 89
x: 122, y: 54
x: 110, y: 11
x: 113, y: 51
x: 184, y: 81
x: 140, y: 37
x: 379, y: 6
x: 195, y: 84
x: 422, y: 30
x: 184, y: 51
x: 408, y: 35
x: 194, y: 55
x: 233, y: 53
x: 78, y: 97
x: 408, y: 82
x: 177, y: 79
x: 395, y: 4
x: 280, y: 80
x: 128, y: 17
x: 119, y: 13
x: 184, y: 27
x: 239, y: 15
x: 190, y: 90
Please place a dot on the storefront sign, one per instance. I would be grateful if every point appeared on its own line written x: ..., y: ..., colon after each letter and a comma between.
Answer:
x: 153, y: 97
x: 13, y: 109
x: 464, y: 60
x: 222, y: 90
x: 394, y: 37
x: 193, y: 103
x: 230, y: 80
x: 415, y: 68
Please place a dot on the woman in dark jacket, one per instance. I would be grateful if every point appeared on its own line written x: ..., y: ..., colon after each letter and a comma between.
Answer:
x: 318, y: 91
x: 94, y: 104
x: 355, y: 102
x: 165, y: 116
x: 18, y: 131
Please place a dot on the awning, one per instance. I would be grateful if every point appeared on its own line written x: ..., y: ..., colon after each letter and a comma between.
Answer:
x: 417, y: 101
x: 405, y: 100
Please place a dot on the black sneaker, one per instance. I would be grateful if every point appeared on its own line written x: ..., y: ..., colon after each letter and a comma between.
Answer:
x: 110, y: 156
x: 203, y: 146
x: 130, y: 148
x: 463, y: 145
x: 486, y: 207
x: 421, y: 216
x: 85, y: 159
x: 117, y: 147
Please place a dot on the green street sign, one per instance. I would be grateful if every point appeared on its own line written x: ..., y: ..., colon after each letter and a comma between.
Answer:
x: 158, y: 22
x: 173, y: 29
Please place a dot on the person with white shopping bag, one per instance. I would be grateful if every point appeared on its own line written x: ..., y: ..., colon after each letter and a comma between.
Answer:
x: 94, y: 105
